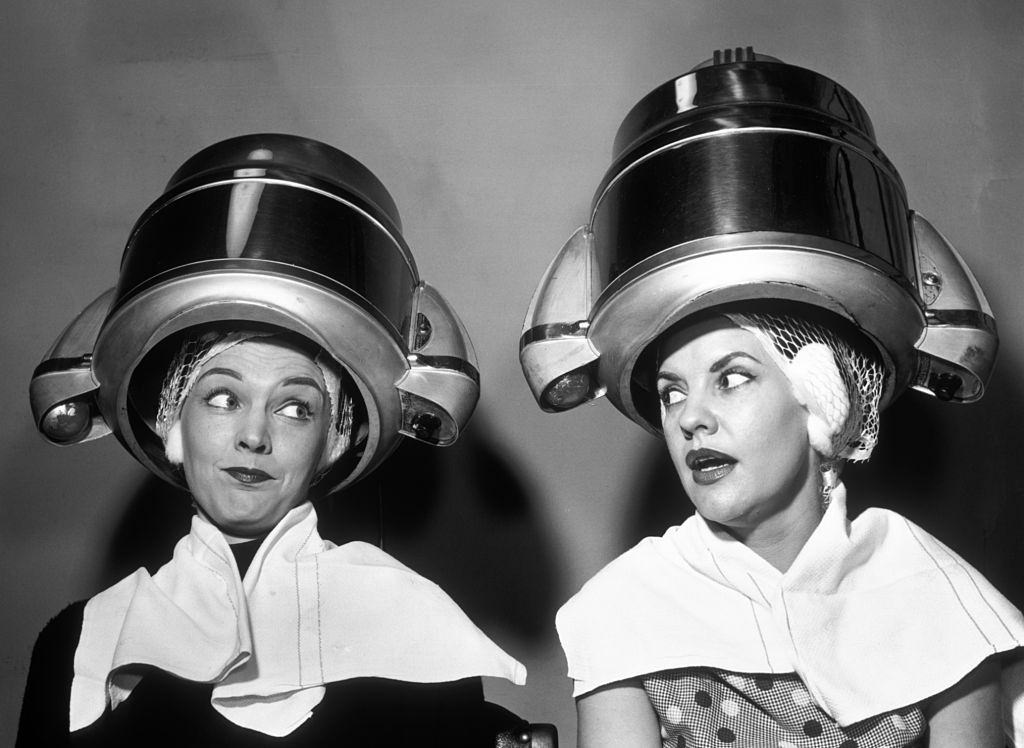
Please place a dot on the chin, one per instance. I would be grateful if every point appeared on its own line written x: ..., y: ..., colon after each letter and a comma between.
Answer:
x: 722, y: 507
x: 247, y: 528
x: 245, y: 520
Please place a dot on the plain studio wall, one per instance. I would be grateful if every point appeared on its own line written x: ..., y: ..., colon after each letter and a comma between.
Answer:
x: 491, y: 125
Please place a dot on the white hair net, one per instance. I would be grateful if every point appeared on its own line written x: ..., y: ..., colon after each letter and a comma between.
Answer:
x: 838, y: 384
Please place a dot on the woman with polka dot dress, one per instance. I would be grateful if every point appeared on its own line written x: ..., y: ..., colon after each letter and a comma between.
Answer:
x: 762, y: 293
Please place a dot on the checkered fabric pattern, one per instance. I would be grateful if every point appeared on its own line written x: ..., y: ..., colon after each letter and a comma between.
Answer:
x: 706, y: 708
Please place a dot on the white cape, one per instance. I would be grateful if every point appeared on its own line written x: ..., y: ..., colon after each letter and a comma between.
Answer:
x: 307, y: 613
x: 873, y: 615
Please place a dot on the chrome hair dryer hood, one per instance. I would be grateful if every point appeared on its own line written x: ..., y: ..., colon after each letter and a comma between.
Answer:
x: 277, y: 230
x: 749, y: 179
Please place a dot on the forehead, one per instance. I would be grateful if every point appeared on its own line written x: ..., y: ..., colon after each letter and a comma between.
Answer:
x: 701, y: 344
x: 267, y: 359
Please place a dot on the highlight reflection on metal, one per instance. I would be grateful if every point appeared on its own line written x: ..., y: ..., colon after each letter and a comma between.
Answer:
x: 277, y: 230
x: 748, y: 178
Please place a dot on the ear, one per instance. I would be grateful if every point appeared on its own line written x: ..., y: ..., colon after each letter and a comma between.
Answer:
x: 172, y: 446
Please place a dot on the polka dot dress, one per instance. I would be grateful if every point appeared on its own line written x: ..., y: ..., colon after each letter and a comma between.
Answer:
x: 705, y: 708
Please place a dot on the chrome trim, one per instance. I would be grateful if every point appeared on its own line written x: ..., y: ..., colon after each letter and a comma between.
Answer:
x: 553, y: 330
x: 51, y: 365
x: 450, y: 363
x: 961, y: 318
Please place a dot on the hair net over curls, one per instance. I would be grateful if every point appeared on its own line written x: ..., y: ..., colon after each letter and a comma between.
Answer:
x: 840, y: 385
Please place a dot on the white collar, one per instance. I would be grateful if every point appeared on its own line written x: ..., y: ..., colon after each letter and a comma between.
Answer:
x: 265, y: 641
x: 834, y: 551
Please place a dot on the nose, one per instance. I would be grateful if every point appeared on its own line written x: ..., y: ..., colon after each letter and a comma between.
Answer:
x: 254, y: 433
x: 697, y: 416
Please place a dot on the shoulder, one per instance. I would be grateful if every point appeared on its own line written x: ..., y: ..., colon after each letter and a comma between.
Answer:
x: 902, y: 546
x: 630, y: 583
x: 622, y: 577
x: 44, y: 708
x: 359, y: 553
x: 55, y: 647
x: 438, y: 642
x: 364, y: 565
x: 609, y: 627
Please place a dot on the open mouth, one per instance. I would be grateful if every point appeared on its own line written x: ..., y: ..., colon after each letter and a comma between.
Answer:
x: 709, y: 465
x: 248, y: 476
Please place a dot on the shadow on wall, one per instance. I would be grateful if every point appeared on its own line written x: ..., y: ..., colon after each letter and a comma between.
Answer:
x: 660, y: 502
x: 952, y: 469
x: 459, y: 516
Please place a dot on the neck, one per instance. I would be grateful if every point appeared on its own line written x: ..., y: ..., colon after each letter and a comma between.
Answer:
x: 235, y: 539
x: 779, y: 538
x: 779, y: 542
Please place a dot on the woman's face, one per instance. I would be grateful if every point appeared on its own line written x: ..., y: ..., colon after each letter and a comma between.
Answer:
x: 254, y: 426
x: 735, y: 431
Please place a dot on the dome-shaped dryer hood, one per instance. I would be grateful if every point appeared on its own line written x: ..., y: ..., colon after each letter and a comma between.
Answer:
x: 274, y: 230
x: 750, y: 179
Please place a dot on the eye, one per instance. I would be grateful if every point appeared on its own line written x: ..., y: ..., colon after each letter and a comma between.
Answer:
x: 296, y: 409
x: 671, y: 396
x: 733, y: 378
x: 222, y: 399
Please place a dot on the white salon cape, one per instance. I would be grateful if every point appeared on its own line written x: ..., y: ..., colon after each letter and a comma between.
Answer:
x: 307, y: 613
x: 873, y: 615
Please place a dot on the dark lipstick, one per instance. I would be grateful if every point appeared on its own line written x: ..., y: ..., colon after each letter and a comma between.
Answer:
x: 709, y: 465
x: 248, y: 476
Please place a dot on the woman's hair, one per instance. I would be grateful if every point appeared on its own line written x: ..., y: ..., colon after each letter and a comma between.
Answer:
x: 837, y: 375
x: 200, y: 345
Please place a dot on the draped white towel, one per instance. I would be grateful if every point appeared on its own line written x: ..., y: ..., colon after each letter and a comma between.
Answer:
x: 873, y: 615
x: 307, y: 613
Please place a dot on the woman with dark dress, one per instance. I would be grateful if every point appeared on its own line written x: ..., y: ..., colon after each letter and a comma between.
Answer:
x: 752, y: 288
x: 268, y: 340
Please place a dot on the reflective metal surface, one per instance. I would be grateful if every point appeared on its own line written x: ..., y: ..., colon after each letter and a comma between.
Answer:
x: 267, y: 230
x: 63, y: 382
x: 276, y: 227
x: 714, y: 88
x: 751, y: 179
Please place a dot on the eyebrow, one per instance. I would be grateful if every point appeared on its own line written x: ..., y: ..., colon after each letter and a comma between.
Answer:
x: 299, y: 380
x: 724, y: 360
x: 220, y: 370
x: 307, y: 381
x: 716, y: 367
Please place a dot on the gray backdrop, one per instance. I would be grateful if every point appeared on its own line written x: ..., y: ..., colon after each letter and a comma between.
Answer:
x: 491, y: 126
